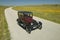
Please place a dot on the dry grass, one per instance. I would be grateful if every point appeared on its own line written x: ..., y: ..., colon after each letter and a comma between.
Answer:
x: 41, y: 8
x: 4, y: 32
x: 49, y: 12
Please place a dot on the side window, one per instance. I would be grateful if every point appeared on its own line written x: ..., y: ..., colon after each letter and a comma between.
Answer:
x: 20, y: 14
x: 31, y: 15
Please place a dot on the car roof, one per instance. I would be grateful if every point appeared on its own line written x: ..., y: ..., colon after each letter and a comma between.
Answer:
x: 24, y: 12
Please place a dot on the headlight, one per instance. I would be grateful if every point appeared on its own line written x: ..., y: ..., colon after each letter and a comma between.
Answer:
x: 31, y: 23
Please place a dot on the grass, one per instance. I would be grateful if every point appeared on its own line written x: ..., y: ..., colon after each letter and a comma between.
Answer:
x: 4, y: 32
x: 48, y: 12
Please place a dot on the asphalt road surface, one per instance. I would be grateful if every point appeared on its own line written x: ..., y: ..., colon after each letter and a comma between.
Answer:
x: 49, y: 31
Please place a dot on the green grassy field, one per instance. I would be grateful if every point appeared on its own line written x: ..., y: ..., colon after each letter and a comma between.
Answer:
x: 48, y: 12
x: 4, y: 32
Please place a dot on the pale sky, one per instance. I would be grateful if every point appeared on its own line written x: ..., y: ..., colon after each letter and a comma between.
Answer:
x: 28, y: 2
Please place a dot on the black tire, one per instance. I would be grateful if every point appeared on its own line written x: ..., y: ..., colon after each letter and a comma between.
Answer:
x: 40, y: 23
x: 40, y: 27
x: 17, y: 19
x: 28, y: 30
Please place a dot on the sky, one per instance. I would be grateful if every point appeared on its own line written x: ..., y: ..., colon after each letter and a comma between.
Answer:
x: 28, y: 2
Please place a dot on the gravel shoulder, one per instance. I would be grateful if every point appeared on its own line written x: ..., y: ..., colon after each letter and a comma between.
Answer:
x: 49, y: 31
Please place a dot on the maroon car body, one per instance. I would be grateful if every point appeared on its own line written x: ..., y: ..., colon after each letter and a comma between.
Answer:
x: 26, y: 21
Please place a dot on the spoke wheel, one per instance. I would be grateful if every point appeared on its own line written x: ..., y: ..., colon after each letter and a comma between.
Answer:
x: 28, y: 30
x: 40, y: 27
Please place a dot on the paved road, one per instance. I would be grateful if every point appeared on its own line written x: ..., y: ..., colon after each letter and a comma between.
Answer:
x: 50, y: 30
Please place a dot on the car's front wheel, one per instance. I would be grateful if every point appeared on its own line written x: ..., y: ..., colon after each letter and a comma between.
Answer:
x: 28, y: 30
x: 40, y: 27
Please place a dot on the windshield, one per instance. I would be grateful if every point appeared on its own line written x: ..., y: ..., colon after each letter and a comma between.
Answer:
x: 28, y: 14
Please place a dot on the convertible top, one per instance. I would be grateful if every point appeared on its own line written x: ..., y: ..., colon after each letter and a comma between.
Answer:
x: 24, y: 12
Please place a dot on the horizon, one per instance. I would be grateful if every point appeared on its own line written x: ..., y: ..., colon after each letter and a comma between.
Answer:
x: 27, y: 2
